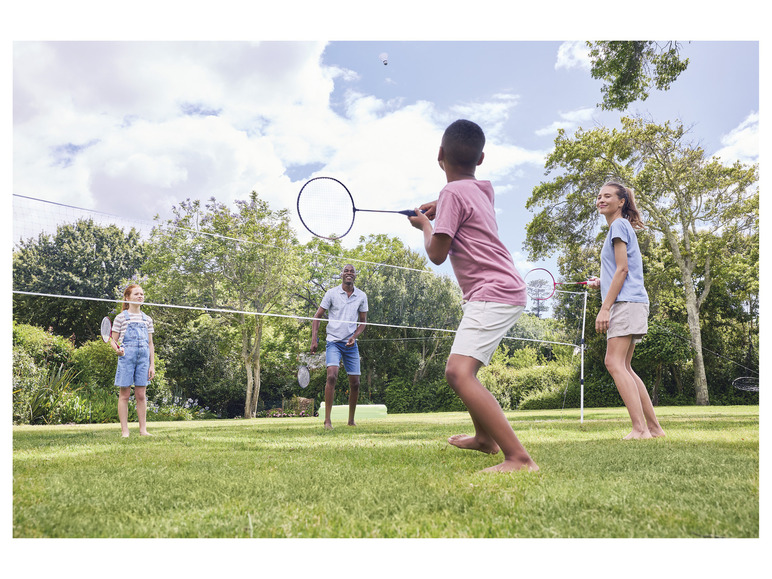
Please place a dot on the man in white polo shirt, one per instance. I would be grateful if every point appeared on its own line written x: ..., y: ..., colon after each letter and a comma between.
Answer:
x: 347, y: 306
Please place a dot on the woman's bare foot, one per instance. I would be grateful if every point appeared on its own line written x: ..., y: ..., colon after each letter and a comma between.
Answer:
x: 145, y: 434
x: 513, y: 465
x: 657, y: 432
x: 471, y: 443
x: 125, y: 435
x: 638, y: 435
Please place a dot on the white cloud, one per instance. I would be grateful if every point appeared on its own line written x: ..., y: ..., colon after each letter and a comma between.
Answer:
x: 133, y: 128
x: 568, y: 122
x: 573, y: 54
x: 742, y: 142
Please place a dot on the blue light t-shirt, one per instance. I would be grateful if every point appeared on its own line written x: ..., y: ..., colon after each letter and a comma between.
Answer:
x: 633, y: 289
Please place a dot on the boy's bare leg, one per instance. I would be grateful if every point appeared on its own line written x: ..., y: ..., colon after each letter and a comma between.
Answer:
x: 353, y: 396
x: 616, y: 353
x: 648, y: 408
x: 492, y: 429
x: 329, y: 395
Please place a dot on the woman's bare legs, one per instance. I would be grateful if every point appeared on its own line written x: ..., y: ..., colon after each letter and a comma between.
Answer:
x: 648, y: 408
x: 619, y: 352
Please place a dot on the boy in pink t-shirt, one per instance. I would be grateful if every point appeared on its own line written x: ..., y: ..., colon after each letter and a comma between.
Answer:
x: 494, y: 293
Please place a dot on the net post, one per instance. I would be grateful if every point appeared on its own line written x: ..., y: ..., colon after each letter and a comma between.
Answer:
x: 581, y: 377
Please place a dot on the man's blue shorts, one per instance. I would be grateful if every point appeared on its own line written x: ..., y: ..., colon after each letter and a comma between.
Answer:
x: 350, y: 356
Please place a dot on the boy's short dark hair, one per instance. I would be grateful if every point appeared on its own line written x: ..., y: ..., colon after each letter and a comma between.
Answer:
x: 463, y: 143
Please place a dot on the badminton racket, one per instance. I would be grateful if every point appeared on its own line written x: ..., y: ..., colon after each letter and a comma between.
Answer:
x: 106, y: 328
x: 326, y: 208
x: 304, y: 376
x: 747, y: 383
x: 541, y: 285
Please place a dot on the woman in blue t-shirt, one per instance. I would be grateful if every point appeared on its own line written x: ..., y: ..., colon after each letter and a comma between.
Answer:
x: 625, y: 310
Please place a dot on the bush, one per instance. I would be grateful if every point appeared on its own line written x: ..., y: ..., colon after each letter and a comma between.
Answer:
x: 44, y: 348
x: 403, y: 396
x: 26, y: 376
x: 511, y: 386
x: 96, y: 363
x: 40, y: 401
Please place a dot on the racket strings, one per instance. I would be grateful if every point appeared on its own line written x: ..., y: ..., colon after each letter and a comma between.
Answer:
x: 326, y: 208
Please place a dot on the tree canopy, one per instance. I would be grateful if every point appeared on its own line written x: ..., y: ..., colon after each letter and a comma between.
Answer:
x: 631, y: 68
x: 692, y: 203
x: 82, y: 259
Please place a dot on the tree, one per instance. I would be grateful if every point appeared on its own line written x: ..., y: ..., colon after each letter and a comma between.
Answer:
x: 244, y: 260
x: 630, y: 68
x: 81, y: 259
x: 686, y: 200
x: 402, y: 291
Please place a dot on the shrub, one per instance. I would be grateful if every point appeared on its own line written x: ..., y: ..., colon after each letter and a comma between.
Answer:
x: 44, y: 348
x: 96, y: 363
x: 511, y: 386
x: 40, y: 401
x: 403, y: 396
x: 398, y: 396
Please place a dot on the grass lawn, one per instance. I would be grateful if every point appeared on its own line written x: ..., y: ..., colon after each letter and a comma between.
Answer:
x: 391, y: 477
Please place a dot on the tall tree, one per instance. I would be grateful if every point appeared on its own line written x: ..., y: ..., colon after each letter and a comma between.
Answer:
x: 630, y: 68
x: 686, y: 199
x: 82, y: 259
x: 244, y: 260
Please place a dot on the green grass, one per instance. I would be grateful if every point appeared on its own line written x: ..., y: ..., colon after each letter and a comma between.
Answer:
x: 391, y: 477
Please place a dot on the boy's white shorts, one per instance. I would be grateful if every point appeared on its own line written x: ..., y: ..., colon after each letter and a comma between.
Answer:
x: 482, y: 327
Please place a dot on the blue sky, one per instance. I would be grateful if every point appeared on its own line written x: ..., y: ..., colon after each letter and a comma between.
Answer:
x: 133, y: 128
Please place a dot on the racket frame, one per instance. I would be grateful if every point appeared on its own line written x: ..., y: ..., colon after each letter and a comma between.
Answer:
x: 555, y: 284
x: 106, y: 323
x: 354, y: 208
x: 304, y: 376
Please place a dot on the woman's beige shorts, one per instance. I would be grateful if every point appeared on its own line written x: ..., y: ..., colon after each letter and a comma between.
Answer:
x: 628, y: 319
x: 482, y: 327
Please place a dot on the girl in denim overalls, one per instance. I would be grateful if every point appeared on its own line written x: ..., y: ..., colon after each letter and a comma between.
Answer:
x: 136, y: 365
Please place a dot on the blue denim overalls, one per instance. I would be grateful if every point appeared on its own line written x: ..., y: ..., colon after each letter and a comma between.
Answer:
x: 133, y: 366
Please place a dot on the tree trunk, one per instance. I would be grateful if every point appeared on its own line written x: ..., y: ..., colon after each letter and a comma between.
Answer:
x: 245, y: 358
x: 254, y: 367
x: 700, y: 381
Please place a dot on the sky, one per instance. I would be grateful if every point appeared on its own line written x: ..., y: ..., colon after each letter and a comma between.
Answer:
x: 134, y: 127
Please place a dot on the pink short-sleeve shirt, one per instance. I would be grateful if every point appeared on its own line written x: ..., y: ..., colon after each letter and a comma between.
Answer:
x: 483, y: 266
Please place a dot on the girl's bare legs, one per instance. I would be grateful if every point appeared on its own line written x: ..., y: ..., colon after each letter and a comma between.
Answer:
x: 616, y: 362
x: 141, y: 398
x: 648, y: 408
x: 492, y: 429
x: 123, y: 410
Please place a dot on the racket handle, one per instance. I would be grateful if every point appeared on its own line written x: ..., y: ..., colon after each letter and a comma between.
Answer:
x: 408, y: 212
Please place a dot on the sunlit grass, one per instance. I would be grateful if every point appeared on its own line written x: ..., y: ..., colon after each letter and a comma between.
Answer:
x: 391, y: 477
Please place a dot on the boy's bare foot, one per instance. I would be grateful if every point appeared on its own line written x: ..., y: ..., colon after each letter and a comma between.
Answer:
x: 327, y: 425
x: 471, y: 443
x: 513, y: 465
x: 352, y: 423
